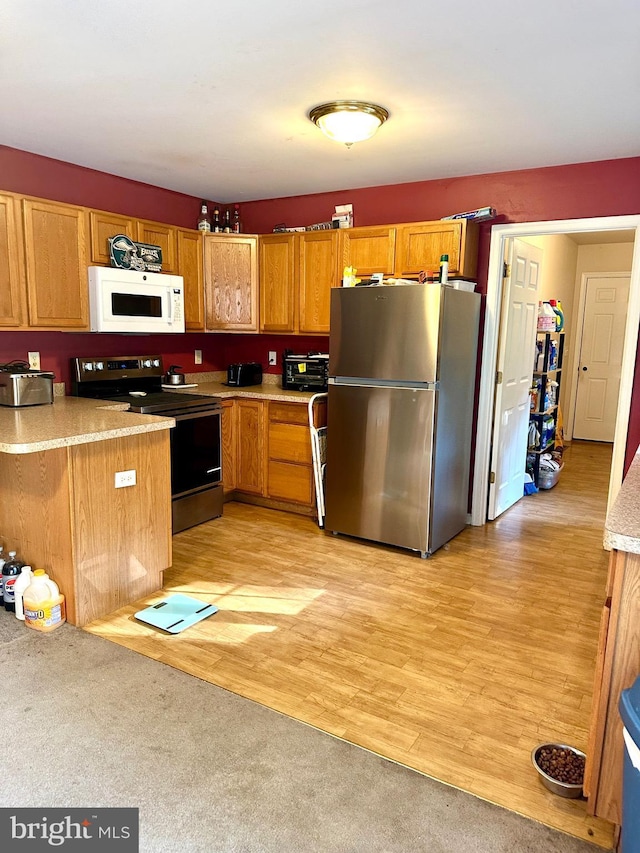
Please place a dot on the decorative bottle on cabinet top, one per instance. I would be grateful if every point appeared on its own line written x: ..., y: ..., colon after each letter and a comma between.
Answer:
x: 204, y: 223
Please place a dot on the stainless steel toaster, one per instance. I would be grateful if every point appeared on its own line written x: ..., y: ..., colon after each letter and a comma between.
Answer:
x: 23, y: 387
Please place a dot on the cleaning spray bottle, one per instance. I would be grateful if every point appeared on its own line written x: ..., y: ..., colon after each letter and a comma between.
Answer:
x: 557, y: 309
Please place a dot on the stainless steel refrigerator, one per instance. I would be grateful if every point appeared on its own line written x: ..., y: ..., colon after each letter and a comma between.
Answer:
x: 402, y: 366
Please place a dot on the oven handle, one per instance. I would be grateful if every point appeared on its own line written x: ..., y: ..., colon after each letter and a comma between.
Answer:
x: 186, y: 416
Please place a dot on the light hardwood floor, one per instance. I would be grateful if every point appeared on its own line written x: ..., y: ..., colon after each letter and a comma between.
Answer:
x: 456, y: 666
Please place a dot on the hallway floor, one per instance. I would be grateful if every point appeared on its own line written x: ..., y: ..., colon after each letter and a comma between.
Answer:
x: 456, y: 666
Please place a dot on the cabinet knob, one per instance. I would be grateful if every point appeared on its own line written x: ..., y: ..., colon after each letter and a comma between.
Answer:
x: 585, y: 368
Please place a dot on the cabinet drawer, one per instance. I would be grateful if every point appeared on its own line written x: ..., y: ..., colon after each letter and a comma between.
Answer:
x: 290, y: 482
x: 289, y: 413
x: 290, y: 443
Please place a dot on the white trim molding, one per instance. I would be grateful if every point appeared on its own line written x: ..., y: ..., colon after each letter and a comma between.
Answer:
x: 500, y: 233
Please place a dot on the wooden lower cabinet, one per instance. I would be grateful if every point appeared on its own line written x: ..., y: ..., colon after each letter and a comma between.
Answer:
x: 266, y: 453
x: 290, y: 473
x: 617, y: 667
x: 105, y: 547
x: 229, y: 443
x: 250, y: 446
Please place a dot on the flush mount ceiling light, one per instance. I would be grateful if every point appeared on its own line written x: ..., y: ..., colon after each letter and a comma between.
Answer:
x: 348, y: 121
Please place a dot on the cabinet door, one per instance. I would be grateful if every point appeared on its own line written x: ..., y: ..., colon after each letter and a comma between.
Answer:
x: 289, y: 469
x: 190, y: 268
x: 250, y: 447
x: 56, y: 265
x: 229, y: 438
x: 317, y: 274
x: 102, y: 227
x: 421, y: 244
x: 164, y: 236
x: 12, y: 286
x: 369, y: 250
x: 231, y: 283
x: 277, y: 283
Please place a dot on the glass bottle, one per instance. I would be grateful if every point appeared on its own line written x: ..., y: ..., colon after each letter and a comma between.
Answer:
x: 216, y: 226
x: 236, y: 219
x: 227, y: 221
x: 204, y: 222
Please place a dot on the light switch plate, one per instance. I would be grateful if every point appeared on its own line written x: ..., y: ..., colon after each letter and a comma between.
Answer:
x: 125, y: 478
x: 198, y: 356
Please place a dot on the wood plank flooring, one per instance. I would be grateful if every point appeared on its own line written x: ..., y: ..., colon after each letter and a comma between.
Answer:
x: 456, y: 666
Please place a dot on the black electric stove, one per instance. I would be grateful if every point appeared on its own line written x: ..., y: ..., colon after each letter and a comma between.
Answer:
x: 196, y: 456
x: 136, y: 380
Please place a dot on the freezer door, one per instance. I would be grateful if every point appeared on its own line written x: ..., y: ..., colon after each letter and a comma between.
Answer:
x: 385, y: 332
x: 379, y: 462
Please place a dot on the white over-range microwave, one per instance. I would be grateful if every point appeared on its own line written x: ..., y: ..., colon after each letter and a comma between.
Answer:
x: 132, y: 301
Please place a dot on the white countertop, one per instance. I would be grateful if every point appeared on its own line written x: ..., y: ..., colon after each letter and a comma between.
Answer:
x: 71, y: 420
x: 622, y: 527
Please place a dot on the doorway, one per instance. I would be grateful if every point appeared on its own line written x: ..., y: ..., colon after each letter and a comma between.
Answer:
x: 616, y: 228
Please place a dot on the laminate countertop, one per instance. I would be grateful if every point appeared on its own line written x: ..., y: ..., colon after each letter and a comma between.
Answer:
x: 80, y: 420
x: 266, y: 391
x: 622, y: 527
x: 71, y: 420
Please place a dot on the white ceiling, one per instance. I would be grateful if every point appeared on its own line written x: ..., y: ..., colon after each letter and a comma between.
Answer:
x: 211, y: 98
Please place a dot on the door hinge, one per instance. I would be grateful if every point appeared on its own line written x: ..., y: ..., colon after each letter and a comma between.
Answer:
x: 506, y: 270
x: 499, y: 377
x: 492, y: 477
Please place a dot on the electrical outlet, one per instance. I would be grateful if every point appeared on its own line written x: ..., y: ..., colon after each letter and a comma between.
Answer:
x: 125, y: 478
x: 198, y: 356
x: 34, y: 360
x: 272, y: 357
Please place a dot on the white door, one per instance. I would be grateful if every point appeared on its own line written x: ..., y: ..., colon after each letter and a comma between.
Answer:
x: 603, y: 326
x: 516, y: 347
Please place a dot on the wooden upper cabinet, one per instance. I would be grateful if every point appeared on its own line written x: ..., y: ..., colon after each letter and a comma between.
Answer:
x: 164, y: 236
x: 55, y: 239
x: 103, y: 226
x: 231, y: 283
x: 421, y: 244
x: 317, y: 273
x: 369, y: 250
x: 190, y: 267
x: 278, y: 291
x: 12, y: 286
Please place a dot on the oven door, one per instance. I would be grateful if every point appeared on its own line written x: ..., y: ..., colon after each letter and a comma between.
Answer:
x: 196, y: 456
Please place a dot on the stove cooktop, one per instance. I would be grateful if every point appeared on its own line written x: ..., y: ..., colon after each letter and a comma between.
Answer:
x: 159, y: 402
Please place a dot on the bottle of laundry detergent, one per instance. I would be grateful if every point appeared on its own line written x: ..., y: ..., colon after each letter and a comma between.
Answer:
x: 44, y: 606
x: 557, y: 309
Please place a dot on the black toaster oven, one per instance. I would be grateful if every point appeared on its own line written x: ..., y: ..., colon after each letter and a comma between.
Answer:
x: 305, y: 372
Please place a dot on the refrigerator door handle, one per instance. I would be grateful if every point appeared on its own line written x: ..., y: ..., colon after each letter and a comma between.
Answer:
x: 383, y: 383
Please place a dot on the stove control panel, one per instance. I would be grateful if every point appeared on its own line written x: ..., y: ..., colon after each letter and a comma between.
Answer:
x: 118, y: 367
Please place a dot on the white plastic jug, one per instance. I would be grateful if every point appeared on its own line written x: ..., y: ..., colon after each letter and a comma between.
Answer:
x: 44, y: 606
x: 22, y: 582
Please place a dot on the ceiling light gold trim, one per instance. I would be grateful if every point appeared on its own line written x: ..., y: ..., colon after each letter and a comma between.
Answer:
x: 364, y: 108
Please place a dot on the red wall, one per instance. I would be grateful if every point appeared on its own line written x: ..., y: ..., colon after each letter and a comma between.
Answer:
x: 583, y: 190
x: 606, y: 188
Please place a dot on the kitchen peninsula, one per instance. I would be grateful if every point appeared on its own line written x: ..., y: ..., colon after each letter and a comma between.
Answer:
x: 60, y: 508
x: 618, y: 659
